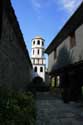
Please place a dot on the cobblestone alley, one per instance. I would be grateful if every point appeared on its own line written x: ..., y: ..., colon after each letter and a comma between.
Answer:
x: 53, y: 111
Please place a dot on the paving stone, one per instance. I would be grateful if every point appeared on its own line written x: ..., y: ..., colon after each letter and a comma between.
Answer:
x: 52, y: 111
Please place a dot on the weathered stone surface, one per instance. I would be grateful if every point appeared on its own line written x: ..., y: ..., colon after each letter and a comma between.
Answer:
x: 15, y: 65
x: 53, y: 111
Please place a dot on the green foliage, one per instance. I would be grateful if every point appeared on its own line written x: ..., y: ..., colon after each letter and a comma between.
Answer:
x: 16, y: 108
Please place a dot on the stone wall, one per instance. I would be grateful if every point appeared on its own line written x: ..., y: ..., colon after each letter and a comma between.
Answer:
x: 15, y: 65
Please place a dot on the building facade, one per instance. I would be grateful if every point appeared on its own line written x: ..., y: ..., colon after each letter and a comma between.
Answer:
x: 38, y: 58
x: 65, y: 53
x: 15, y: 63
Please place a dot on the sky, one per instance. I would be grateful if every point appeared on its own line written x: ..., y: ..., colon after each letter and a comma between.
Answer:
x: 43, y: 17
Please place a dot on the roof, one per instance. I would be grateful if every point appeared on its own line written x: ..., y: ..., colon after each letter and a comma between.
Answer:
x: 72, y: 24
x: 38, y: 37
x: 78, y: 66
x: 15, y: 25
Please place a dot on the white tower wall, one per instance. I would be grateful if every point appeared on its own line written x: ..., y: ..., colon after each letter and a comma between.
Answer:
x: 37, y: 58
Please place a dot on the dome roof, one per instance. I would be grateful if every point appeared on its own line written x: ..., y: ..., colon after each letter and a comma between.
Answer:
x: 38, y: 37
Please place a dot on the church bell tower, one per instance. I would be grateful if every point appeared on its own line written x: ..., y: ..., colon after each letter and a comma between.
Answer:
x: 37, y: 57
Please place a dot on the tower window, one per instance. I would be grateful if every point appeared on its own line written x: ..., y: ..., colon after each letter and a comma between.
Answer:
x: 41, y: 69
x: 33, y: 52
x: 35, y: 69
x: 33, y: 42
x: 38, y: 51
x: 42, y: 43
x: 38, y: 42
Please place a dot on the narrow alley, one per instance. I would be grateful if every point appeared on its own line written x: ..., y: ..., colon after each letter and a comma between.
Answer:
x: 53, y: 111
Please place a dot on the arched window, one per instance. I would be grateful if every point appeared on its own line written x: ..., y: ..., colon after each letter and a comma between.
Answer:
x: 41, y: 69
x: 38, y: 52
x: 38, y: 42
x: 33, y: 42
x: 35, y: 69
x: 42, y: 43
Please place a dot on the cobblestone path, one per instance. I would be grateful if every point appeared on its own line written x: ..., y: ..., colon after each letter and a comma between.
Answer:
x: 53, y: 111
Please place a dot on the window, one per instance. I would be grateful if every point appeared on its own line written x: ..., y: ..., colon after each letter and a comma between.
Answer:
x: 42, y: 43
x: 38, y: 51
x: 41, y: 69
x: 36, y: 61
x: 33, y: 52
x: 40, y: 61
x: 72, y: 40
x: 33, y: 42
x: 38, y: 42
x: 35, y: 69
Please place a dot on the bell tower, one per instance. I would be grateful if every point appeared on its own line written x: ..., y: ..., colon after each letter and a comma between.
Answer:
x: 37, y: 57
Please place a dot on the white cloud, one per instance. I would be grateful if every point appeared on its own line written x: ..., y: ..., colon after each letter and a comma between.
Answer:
x: 36, y: 4
x: 69, y: 5
x: 39, y: 5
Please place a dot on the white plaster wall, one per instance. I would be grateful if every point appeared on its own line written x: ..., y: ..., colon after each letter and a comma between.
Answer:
x: 36, y: 55
x: 36, y: 45
x: 44, y: 61
x: 40, y: 61
x: 36, y: 61
x: 39, y: 58
x: 41, y: 74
